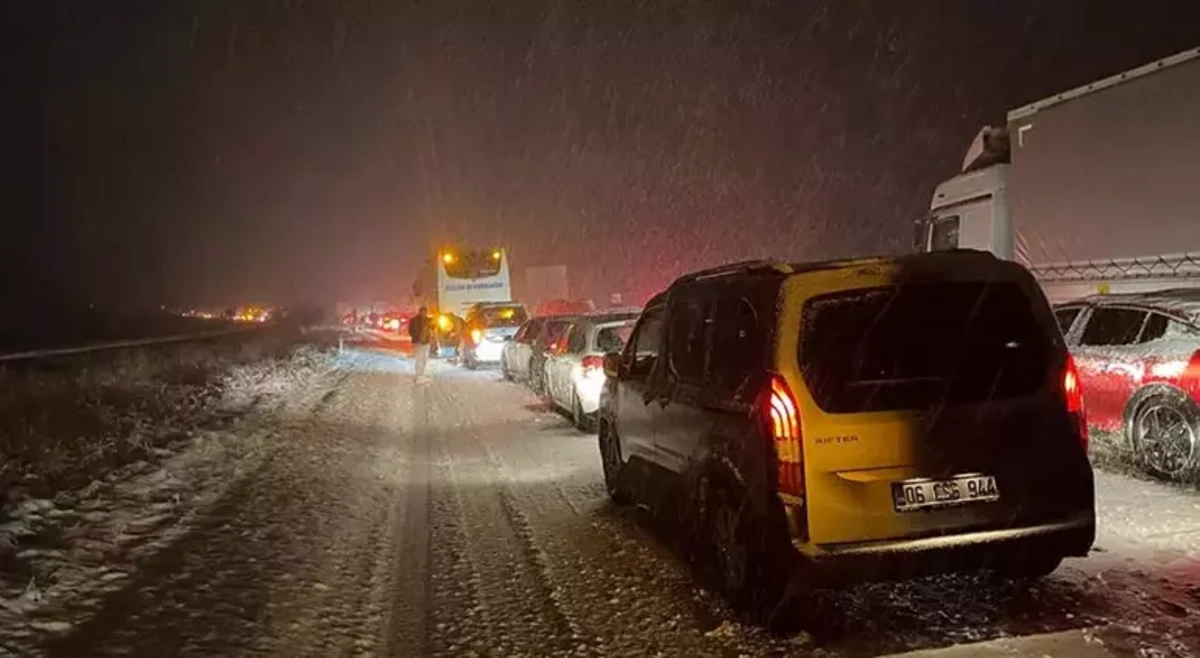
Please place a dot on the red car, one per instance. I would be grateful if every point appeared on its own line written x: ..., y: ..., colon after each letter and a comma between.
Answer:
x: 1138, y: 358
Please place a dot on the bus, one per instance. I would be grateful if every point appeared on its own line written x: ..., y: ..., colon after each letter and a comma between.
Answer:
x: 468, y: 276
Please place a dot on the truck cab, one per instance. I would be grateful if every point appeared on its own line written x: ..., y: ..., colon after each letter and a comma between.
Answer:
x: 971, y: 210
x: 1093, y: 174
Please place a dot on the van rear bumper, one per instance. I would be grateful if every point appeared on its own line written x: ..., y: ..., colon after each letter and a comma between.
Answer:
x: 968, y: 551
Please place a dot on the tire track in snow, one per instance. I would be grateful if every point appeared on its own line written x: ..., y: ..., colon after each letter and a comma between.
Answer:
x: 409, y: 585
x: 618, y: 586
x: 517, y: 610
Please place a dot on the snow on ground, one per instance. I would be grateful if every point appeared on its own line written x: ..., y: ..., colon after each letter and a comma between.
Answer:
x: 374, y: 516
x: 74, y: 549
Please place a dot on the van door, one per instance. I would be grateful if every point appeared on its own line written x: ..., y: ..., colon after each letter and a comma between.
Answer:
x: 635, y: 409
x: 679, y: 388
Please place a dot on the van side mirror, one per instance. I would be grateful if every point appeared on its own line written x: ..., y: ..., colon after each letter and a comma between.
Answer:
x: 612, y: 363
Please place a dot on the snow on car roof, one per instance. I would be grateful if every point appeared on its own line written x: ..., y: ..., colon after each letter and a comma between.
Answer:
x: 1181, y: 302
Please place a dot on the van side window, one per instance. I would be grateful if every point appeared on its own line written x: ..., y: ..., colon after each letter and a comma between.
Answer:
x: 642, y: 350
x: 1113, y: 326
x: 688, y: 340
x: 737, y: 343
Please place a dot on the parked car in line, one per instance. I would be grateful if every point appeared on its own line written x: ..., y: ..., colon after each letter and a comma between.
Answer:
x: 1139, y: 362
x: 552, y: 336
x: 574, y: 372
x: 850, y: 420
x: 488, y: 326
x: 514, y: 358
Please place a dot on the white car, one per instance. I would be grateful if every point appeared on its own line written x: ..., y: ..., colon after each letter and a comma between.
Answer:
x: 489, y: 326
x: 514, y: 360
x: 575, y: 368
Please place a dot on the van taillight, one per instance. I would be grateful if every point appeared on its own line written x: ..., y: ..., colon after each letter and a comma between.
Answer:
x: 784, y: 422
x: 1074, y: 394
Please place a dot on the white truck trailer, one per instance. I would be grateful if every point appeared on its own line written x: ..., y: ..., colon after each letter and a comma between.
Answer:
x: 1096, y: 189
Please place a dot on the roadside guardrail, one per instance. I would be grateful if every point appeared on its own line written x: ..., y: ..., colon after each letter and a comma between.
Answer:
x: 120, y: 344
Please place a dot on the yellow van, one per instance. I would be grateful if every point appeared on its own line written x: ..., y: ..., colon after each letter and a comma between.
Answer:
x: 858, y: 419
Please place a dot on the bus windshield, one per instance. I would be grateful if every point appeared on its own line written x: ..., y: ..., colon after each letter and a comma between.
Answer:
x: 472, y: 264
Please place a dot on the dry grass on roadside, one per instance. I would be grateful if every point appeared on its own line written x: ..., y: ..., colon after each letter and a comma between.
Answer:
x: 61, y: 428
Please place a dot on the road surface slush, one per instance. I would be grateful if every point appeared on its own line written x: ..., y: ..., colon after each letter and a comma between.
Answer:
x: 461, y: 517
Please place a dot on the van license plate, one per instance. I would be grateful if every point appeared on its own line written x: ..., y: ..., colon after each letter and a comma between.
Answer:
x: 909, y: 496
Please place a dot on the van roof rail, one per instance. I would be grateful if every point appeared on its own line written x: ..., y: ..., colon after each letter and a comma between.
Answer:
x: 760, y: 266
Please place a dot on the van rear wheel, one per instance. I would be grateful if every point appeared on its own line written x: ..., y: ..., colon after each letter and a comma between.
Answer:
x: 751, y: 570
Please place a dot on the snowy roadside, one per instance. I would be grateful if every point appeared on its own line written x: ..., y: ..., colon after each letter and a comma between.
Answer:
x: 63, y: 549
x: 1066, y: 644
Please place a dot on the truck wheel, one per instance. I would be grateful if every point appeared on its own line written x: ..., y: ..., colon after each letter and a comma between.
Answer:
x: 1165, y: 436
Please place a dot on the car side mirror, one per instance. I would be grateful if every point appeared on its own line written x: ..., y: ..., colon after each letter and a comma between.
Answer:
x: 612, y: 363
x: 508, y: 339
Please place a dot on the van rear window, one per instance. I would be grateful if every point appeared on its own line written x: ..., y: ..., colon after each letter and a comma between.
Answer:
x: 919, y: 345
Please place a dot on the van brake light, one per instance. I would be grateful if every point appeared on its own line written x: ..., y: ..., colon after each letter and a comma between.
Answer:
x: 784, y: 423
x: 1074, y: 395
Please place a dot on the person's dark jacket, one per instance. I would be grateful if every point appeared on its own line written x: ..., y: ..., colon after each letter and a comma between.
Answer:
x: 418, y: 329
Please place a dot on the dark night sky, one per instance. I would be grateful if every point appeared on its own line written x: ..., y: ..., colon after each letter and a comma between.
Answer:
x: 293, y: 150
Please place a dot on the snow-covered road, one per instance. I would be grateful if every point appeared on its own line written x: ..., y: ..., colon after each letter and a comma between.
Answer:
x: 462, y: 518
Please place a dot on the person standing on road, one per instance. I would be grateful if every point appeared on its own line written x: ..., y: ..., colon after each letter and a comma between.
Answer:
x: 419, y: 331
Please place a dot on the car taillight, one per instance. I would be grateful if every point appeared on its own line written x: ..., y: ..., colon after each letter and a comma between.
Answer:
x: 592, y: 365
x: 1190, y: 381
x: 1074, y: 394
x: 476, y: 336
x: 783, y: 419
